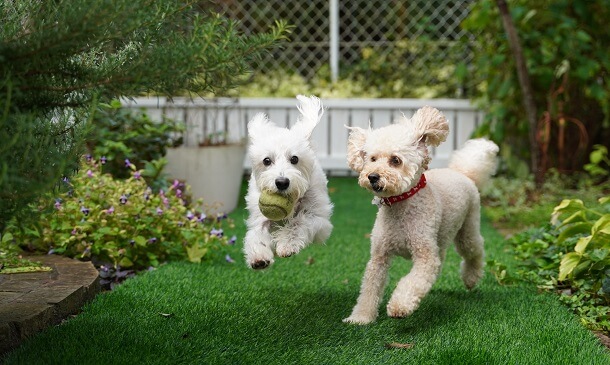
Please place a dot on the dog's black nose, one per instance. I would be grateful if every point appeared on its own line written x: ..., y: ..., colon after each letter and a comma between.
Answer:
x: 373, y: 178
x: 282, y: 183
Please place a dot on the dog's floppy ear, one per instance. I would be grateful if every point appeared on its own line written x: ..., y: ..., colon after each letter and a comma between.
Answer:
x: 431, y: 124
x: 311, y: 114
x: 355, y: 144
x: 258, y: 125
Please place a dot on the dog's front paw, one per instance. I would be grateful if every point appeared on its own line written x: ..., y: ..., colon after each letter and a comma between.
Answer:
x: 286, y: 250
x: 260, y: 264
x: 359, y: 319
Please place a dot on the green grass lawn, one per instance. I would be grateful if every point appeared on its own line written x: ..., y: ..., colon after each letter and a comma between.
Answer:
x: 225, y: 313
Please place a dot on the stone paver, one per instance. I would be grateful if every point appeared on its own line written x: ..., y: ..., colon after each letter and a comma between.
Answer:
x: 30, y: 302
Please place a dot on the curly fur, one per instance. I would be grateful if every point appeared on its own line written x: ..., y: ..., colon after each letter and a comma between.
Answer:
x: 390, y: 161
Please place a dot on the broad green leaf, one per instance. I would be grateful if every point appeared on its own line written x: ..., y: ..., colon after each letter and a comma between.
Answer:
x: 125, y: 262
x: 195, y: 253
x: 569, y: 205
x: 140, y: 241
x: 602, y: 224
x: 582, y: 243
x: 573, y: 230
x: 567, y: 265
x: 7, y: 237
x: 604, y: 200
x: 598, y: 254
x: 576, y: 217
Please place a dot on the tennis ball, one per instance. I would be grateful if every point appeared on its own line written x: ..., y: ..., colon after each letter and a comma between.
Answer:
x: 275, y: 206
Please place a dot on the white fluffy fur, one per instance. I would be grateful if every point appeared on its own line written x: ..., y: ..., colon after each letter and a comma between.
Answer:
x: 310, y: 219
x: 422, y: 227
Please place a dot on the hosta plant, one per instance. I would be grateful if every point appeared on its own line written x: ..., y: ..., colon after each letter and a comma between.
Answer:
x: 122, y: 224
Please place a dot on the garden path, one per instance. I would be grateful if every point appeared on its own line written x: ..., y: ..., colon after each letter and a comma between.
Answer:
x: 30, y: 302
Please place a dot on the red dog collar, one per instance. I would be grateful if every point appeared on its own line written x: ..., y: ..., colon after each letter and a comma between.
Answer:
x: 404, y: 196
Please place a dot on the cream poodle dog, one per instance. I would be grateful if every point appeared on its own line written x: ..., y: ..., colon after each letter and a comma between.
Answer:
x: 419, y: 214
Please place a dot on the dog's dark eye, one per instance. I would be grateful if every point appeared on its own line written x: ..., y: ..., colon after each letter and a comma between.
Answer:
x: 294, y: 160
x: 395, y: 161
x: 373, y: 158
x: 266, y: 161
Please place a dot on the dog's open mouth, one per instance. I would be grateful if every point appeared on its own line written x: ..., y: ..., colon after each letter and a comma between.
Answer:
x: 377, y: 188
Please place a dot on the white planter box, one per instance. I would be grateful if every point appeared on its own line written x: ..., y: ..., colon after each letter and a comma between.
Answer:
x: 213, y: 172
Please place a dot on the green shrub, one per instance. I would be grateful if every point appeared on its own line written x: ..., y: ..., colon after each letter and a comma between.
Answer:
x: 119, y: 133
x: 121, y: 223
x: 572, y: 257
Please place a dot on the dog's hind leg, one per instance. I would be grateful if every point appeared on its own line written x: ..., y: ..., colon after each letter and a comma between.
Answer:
x: 469, y: 245
x: 374, y: 281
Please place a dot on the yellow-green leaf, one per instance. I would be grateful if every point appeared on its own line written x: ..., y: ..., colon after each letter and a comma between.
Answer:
x: 125, y: 262
x: 195, y: 253
x: 567, y: 265
x: 7, y: 237
x: 601, y: 224
x: 582, y: 243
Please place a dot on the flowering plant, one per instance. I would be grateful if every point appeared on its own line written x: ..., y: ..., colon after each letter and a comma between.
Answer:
x: 123, y: 223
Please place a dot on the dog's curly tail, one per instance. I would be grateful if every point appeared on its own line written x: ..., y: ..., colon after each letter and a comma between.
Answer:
x: 476, y: 159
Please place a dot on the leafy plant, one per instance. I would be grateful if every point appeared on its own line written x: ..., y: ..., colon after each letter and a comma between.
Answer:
x: 571, y: 257
x: 590, y: 258
x: 597, y: 159
x: 118, y: 134
x: 122, y: 224
x: 564, y: 44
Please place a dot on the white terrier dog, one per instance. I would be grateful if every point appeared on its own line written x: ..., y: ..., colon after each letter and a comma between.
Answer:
x: 283, y: 162
x: 419, y: 215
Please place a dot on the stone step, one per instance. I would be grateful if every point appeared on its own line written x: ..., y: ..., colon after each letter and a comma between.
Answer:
x: 31, y: 302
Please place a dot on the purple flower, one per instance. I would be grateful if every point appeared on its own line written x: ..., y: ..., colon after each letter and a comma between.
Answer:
x: 165, y: 201
x: 132, y: 242
x: 110, y: 210
x: 175, y: 184
x: 103, y: 160
x: 88, y: 157
x: 233, y: 240
x: 161, y: 192
x: 58, y: 204
x: 159, y: 211
x: 89, y: 173
x: 201, y: 218
x: 152, y: 240
x: 221, y: 216
x: 217, y: 232
x: 51, y: 251
x: 65, y: 180
x: 179, y: 193
x: 127, y: 163
x: 229, y: 259
x: 137, y: 175
x: 84, y: 210
x: 189, y: 215
x: 73, y: 232
x: 123, y: 199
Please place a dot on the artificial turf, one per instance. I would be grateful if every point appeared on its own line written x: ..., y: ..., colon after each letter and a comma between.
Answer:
x: 224, y: 313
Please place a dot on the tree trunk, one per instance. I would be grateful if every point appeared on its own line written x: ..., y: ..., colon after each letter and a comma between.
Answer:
x: 526, y: 88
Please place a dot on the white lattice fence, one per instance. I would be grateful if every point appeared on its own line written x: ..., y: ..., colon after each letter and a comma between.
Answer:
x: 228, y: 118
